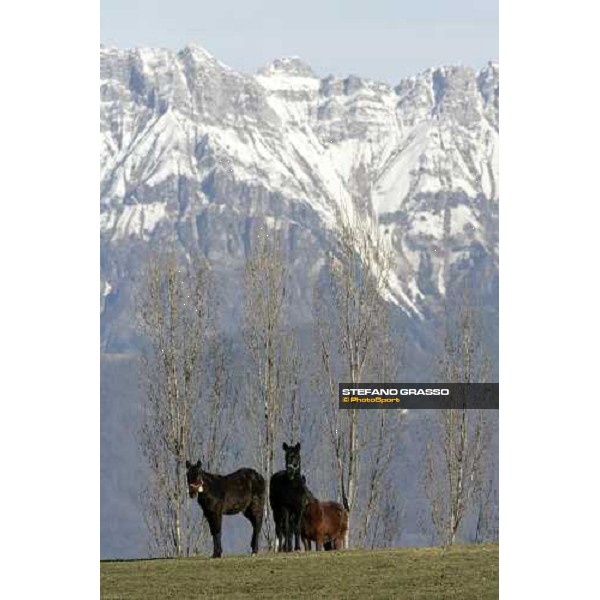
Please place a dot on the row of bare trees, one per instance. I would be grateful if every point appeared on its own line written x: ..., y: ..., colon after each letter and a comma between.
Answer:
x: 191, y: 384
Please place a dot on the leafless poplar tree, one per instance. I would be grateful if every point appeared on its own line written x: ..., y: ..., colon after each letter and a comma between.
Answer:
x: 486, y: 507
x: 183, y: 401
x: 380, y: 514
x: 273, y: 382
x: 350, y: 316
x: 457, y: 455
x: 388, y: 520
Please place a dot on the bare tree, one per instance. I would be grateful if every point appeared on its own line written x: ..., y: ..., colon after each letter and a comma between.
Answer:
x: 291, y: 375
x: 182, y: 406
x: 486, y: 502
x: 485, y: 525
x: 457, y: 455
x: 350, y: 316
x: 273, y: 381
x: 388, y: 520
x: 379, y: 514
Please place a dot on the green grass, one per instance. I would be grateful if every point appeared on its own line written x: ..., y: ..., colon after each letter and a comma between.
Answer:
x: 416, y: 573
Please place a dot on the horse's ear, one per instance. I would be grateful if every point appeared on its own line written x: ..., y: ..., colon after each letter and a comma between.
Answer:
x: 188, y: 464
x: 298, y: 446
x: 285, y: 447
x: 198, y: 464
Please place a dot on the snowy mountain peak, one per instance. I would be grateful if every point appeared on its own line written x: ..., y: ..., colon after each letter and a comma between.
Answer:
x: 198, y: 52
x: 201, y: 58
x: 292, y: 66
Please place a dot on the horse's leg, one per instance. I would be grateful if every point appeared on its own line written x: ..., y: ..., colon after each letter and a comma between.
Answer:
x: 297, y: 526
x: 214, y: 523
x: 279, y: 533
x: 319, y: 542
x: 306, y: 543
x: 260, y: 513
x: 282, y: 532
x: 288, y: 519
x: 254, y: 514
x: 285, y: 521
x: 278, y: 530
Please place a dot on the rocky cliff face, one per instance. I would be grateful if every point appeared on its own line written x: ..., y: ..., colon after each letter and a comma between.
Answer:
x: 194, y: 156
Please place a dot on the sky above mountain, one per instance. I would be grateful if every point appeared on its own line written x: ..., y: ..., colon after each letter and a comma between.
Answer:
x: 380, y: 39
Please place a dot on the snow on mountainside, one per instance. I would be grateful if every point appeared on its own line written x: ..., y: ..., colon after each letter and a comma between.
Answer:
x: 197, y: 158
x: 195, y: 154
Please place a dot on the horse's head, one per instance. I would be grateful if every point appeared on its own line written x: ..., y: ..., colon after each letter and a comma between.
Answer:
x: 292, y: 460
x: 194, y: 478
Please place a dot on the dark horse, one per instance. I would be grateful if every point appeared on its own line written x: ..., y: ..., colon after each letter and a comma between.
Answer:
x: 287, y: 495
x: 242, y: 491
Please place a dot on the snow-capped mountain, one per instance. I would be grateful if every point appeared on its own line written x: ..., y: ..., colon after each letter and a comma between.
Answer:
x: 195, y: 155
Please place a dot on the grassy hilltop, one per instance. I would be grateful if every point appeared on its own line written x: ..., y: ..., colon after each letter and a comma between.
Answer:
x: 417, y: 573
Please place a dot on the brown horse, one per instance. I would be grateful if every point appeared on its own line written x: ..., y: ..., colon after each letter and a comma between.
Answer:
x: 325, y: 523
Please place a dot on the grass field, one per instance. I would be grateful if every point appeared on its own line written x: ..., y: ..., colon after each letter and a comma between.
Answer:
x: 460, y: 572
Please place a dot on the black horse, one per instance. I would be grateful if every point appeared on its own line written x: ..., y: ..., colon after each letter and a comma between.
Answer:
x: 242, y: 491
x: 288, y: 497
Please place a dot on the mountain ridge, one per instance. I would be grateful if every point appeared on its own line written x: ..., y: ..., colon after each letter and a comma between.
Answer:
x: 186, y: 139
